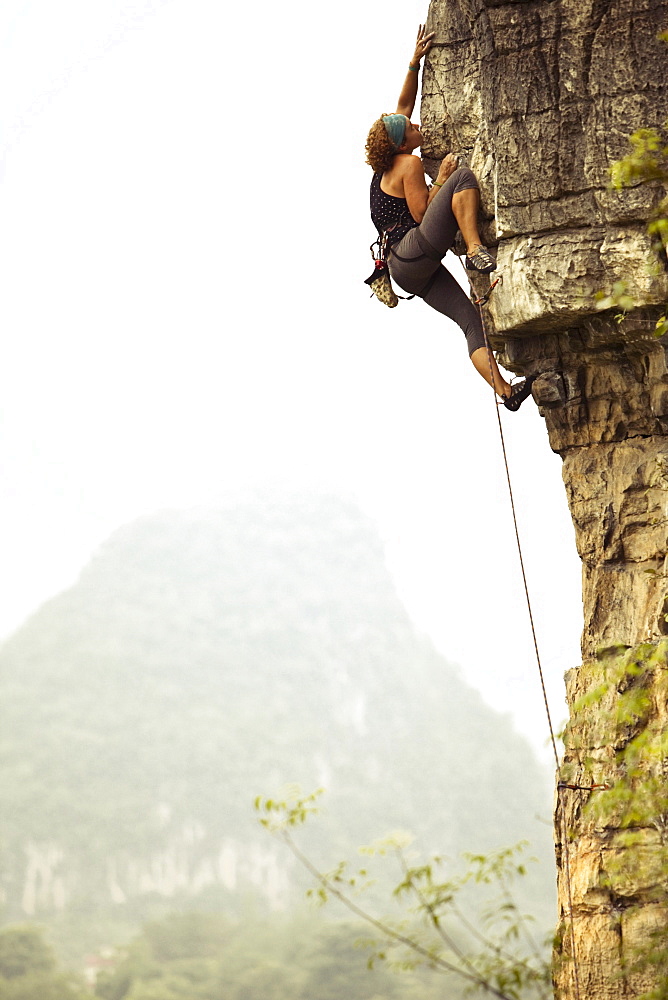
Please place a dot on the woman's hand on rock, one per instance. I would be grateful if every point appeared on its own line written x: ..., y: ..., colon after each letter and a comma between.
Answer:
x: 422, y: 44
x: 447, y: 167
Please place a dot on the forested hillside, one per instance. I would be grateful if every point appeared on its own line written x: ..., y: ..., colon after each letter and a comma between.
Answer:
x: 205, y: 657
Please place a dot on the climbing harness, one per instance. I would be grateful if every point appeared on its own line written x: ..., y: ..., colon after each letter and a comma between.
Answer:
x: 480, y: 301
x: 379, y: 281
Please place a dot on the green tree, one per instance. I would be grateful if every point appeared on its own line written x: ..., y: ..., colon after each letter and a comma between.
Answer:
x: 29, y: 970
x: 501, y: 957
x: 172, y: 959
x: 206, y: 957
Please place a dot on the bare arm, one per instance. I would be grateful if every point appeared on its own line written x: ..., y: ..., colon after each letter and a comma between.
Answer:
x: 447, y: 167
x: 416, y: 191
x: 417, y: 194
x: 408, y: 94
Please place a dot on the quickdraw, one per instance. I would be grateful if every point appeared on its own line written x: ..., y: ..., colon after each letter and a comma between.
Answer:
x: 485, y: 298
x: 583, y: 788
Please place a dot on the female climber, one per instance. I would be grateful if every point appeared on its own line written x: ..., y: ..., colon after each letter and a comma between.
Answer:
x: 420, y: 224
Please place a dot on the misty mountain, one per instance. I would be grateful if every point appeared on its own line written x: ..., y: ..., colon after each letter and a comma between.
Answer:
x: 207, y: 656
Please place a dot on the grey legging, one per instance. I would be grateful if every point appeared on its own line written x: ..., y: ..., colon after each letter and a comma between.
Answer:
x: 427, y: 277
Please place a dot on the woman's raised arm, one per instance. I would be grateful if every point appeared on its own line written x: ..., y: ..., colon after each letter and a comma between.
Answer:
x: 408, y: 94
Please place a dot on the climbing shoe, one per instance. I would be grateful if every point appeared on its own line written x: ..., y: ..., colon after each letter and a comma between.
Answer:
x: 481, y: 261
x: 519, y: 393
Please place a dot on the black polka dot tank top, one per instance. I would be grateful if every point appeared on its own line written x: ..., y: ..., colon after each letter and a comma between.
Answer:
x: 390, y: 214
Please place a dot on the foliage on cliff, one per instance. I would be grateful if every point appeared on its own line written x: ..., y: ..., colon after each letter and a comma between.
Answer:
x: 646, y: 163
x: 623, y: 707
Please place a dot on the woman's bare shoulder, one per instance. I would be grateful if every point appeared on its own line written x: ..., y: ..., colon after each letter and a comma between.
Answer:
x: 408, y: 163
x: 406, y: 169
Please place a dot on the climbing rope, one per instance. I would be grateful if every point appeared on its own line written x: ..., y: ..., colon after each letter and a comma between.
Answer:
x: 479, y: 302
x: 561, y: 785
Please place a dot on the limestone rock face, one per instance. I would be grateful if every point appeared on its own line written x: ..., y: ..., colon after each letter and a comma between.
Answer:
x: 617, y: 870
x: 539, y: 98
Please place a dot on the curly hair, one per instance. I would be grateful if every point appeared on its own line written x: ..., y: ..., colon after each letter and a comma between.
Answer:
x: 380, y: 149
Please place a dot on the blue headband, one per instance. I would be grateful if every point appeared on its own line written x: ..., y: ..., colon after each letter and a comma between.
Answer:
x: 395, y: 126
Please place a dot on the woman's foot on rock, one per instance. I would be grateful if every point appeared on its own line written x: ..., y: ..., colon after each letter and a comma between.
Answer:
x: 480, y: 260
x: 519, y: 392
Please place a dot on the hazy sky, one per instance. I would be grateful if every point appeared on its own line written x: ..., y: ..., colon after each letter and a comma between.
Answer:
x: 184, y: 236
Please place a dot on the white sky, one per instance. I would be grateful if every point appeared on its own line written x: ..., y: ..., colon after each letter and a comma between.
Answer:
x: 184, y: 236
